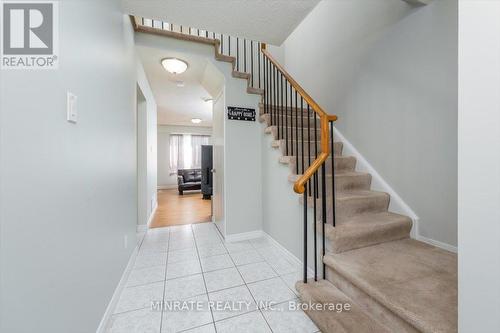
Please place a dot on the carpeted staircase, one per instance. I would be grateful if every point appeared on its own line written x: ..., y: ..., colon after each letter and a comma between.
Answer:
x: 393, y: 283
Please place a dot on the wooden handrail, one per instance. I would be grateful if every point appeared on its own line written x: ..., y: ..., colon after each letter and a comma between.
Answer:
x: 325, y: 118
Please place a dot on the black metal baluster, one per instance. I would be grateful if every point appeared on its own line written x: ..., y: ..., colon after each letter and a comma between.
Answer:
x: 315, y: 242
x: 229, y: 44
x: 237, y: 54
x: 198, y: 32
x: 271, y: 93
x: 181, y: 29
x: 315, y: 207
x: 259, y: 55
x: 286, y: 116
x: 245, y: 55
x: 190, y: 30
x: 206, y: 33
x: 333, y: 171
x: 221, y: 44
x: 316, y: 150
x: 280, y: 112
x: 270, y: 78
x: 305, y: 235
x: 275, y: 104
x: 323, y: 195
x: 251, y: 61
x: 280, y: 103
x: 291, y: 124
x: 265, y: 89
x: 309, y: 139
x: 296, y: 136
x: 301, y: 129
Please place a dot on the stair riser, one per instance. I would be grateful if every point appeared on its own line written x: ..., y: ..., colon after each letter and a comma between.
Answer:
x: 294, y: 132
x: 341, y: 164
x: 291, y: 121
x: 291, y: 111
x: 369, y: 304
x: 344, y: 182
x: 309, y: 148
x: 338, y: 241
x: 347, y: 208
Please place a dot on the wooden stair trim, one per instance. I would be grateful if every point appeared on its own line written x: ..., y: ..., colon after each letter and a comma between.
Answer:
x: 204, y: 40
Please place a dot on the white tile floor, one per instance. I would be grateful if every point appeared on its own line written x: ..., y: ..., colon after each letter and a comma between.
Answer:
x: 192, y: 265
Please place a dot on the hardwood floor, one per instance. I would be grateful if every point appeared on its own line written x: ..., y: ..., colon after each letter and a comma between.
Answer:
x: 175, y: 209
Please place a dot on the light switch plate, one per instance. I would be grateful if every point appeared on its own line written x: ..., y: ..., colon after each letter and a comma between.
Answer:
x: 71, y: 108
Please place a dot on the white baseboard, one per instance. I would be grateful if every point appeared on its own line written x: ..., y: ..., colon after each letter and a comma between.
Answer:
x: 244, y: 236
x: 116, y: 294
x: 289, y: 255
x: 152, y: 215
x: 439, y: 244
x: 145, y: 227
x: 167, y: 187
x: 396, y: 204
x: 142, y: 227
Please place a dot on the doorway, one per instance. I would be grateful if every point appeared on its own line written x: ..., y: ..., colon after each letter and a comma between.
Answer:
x: 185, y: 175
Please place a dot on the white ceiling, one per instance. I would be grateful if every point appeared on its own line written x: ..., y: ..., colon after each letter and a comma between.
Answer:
x: 176, y: 105
x: 270, y: 21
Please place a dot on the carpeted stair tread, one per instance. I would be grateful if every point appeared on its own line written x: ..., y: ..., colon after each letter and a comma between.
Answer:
x: 414, y: 280
x: 342, y: 163
x: 349, y: 204
x: 323, y: 292
x: 366, y: 230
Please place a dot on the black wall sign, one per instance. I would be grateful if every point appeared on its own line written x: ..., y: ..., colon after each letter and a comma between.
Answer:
x: 234, y: 113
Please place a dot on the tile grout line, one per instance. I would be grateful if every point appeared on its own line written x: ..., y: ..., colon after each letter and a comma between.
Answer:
x: 245, y: 283
x: 221, y: 242
x: 279, y: 275
x: 165, y: 282
x: 203, y: 275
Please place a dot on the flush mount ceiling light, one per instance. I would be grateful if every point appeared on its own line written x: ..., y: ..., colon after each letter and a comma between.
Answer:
x: 196, y: 120
x: 174, y: 65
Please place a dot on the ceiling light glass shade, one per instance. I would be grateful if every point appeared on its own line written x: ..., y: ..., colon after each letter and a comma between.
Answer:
x: 196, y: 120
x: 174, y: 65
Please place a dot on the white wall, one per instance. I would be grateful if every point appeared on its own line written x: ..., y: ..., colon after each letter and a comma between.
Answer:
x: 218, y: 200
x: 68, y: 191
x: 147, y: 114
x: 242, y: 140
x: 479, y: 167
x: 282, y: 212
x: 389, y: 71
x: 167, y: 179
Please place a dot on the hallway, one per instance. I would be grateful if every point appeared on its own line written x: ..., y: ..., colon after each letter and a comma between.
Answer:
x: 245, y: 286
x: 175, y: 209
